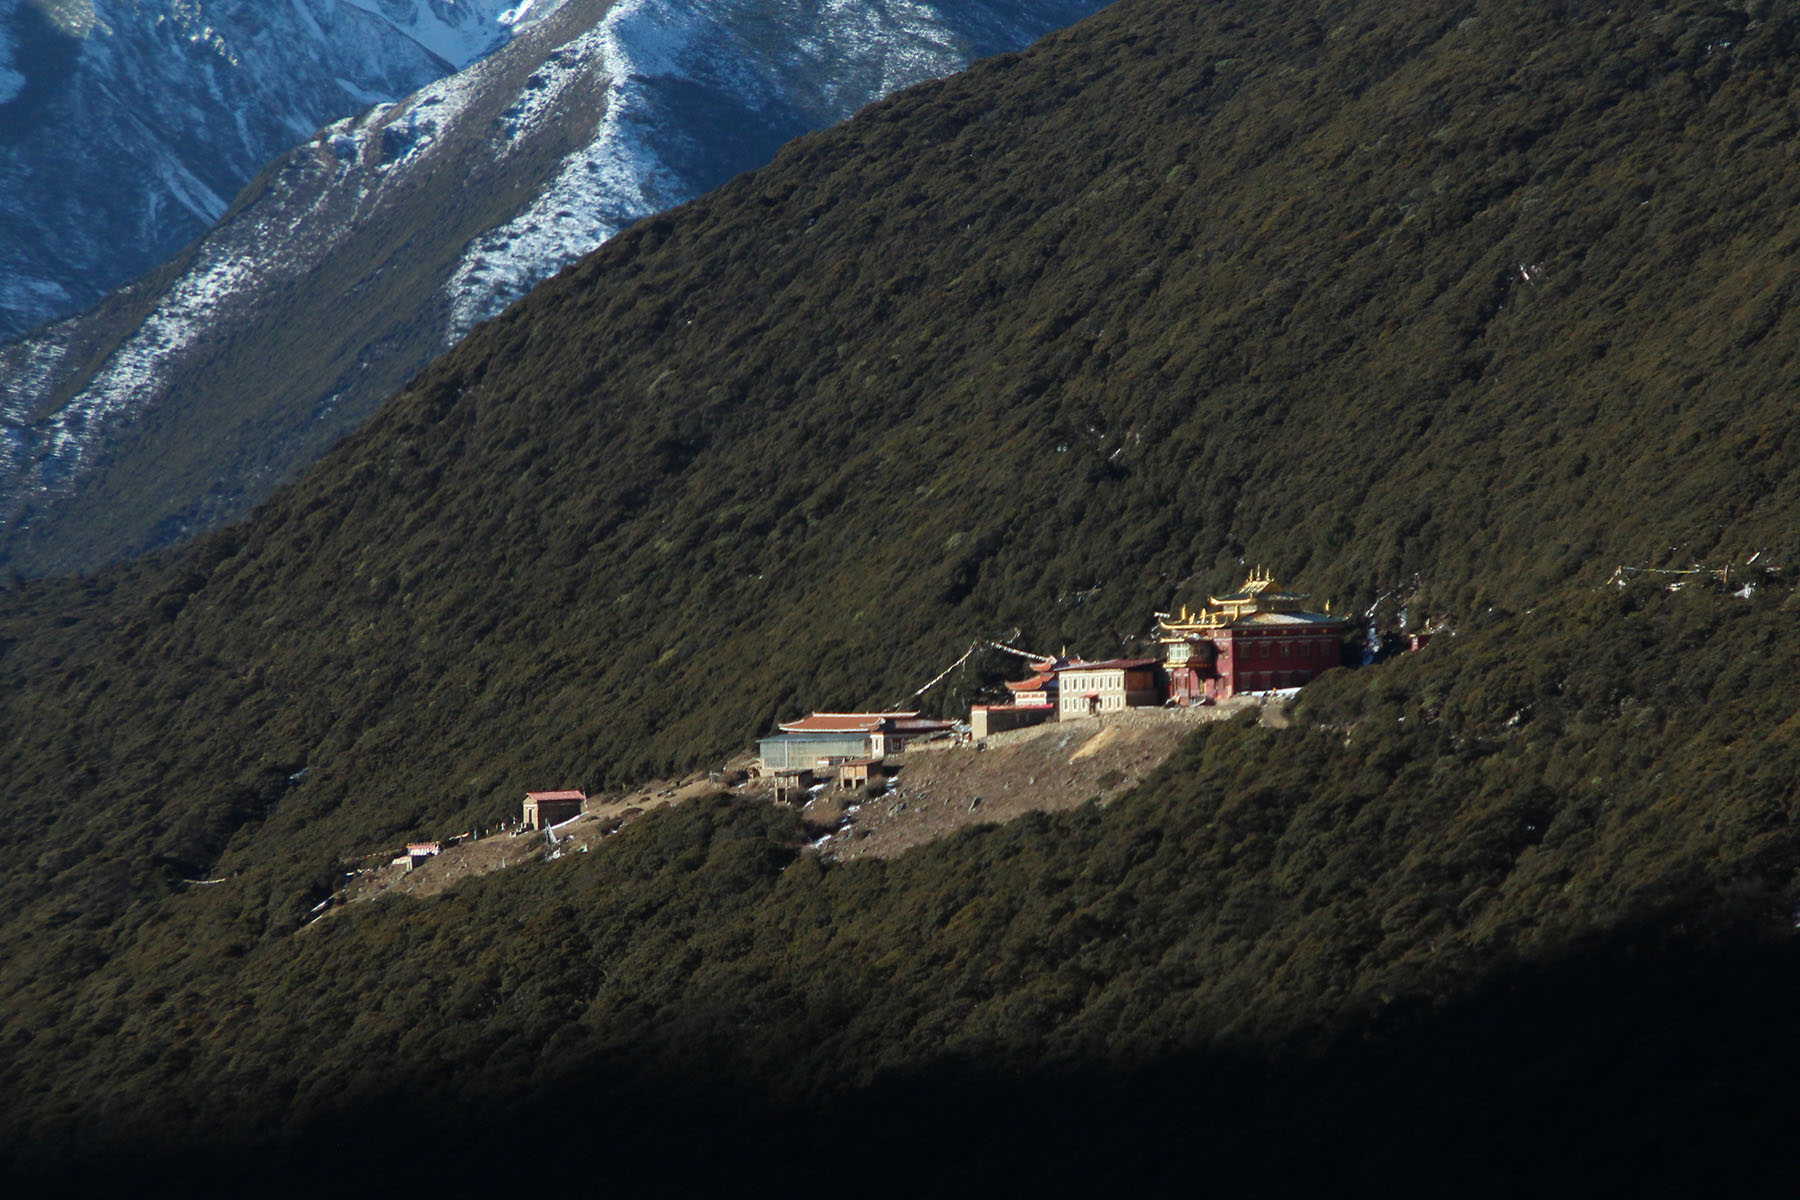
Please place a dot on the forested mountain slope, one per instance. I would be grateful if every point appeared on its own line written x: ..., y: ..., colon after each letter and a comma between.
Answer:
x: 1493, y: 295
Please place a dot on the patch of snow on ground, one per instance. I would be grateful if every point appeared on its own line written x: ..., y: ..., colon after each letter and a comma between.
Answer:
x: 11, y: 81
x: 23, y: 381
x: 458, y: 33
x: 361, y: 95
x: 750, y: 49
x: 19, y: 291
x: 128, y: 382
x: 530, y: 12
x: 401, y: 132
x: 547, y: 86
x: 189, y: 192
x: 306, y: 19
x: 617, y: 179
x: 436, y: 106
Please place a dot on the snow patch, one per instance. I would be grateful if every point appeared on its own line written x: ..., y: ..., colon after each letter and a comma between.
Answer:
x: 129, y: 381
x: 11, y: 81
x: 458, y: 33
x: 531, y: 12
x: 306, y: 20
x: 26, y: 290
x: 615, y: 180
x: 547, y: 87
x: 189, y: 192
x: 361, y: 95
x: 773, y: 60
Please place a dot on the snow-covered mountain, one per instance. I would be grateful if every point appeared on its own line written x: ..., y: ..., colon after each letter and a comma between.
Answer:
x: 126, y: 126
x: 356, y: 257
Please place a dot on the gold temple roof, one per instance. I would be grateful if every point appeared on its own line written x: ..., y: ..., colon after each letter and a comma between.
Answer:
x: 1259, y: 602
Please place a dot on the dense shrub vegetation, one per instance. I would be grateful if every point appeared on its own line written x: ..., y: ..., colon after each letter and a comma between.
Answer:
x: 1048, y: 345
x: 1407, y: 854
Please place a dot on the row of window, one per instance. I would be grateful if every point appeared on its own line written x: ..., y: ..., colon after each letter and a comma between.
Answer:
x: 1071, y: 681
x: 1267, y: 649
x: 1083, y: 704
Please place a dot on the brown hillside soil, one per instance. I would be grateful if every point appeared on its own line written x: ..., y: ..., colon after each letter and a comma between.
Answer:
x: 436, y: 874
x: 604, y: 816
x: 934, y: 792
x: 1046, y: 768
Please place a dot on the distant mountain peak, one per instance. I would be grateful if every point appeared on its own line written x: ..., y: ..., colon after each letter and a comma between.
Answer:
x: 370, y: 248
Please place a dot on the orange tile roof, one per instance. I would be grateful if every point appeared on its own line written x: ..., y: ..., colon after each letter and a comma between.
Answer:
x: 843, y: 722
x: 542, y: 796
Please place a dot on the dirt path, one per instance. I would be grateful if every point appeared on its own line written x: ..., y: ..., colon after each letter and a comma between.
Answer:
x: 1048, y: 767
x: 605, y: 815
x: 936, y: 791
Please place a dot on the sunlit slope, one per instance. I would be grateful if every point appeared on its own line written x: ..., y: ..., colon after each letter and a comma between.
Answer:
x: 1489, y: 295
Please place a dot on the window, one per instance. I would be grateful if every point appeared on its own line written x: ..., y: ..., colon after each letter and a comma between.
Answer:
x: 1287, y: 650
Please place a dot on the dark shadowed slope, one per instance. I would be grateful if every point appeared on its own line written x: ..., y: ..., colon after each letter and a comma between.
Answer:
x: 1409, y: 943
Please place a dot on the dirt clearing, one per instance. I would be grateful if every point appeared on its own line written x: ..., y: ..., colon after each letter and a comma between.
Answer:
x: 1045, y: 768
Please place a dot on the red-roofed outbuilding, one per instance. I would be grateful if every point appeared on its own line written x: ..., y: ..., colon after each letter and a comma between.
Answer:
x: 550, y: 808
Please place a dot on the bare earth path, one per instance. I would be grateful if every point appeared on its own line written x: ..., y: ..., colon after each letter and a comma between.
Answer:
x: 1045, y: 768
x: 604, y: 815
x: 937, y: 790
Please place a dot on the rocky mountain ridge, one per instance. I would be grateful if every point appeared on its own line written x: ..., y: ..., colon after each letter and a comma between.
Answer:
x: 185, y: 397
x: 126, y: 128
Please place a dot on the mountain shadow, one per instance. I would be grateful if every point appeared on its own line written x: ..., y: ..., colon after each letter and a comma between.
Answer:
x: 1649, y: 1062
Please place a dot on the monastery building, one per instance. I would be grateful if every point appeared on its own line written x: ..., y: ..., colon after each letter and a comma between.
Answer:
x: 1256, y: 639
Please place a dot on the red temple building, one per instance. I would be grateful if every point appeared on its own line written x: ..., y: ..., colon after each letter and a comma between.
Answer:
x: 1039, y: 691
x: 1257, y: 639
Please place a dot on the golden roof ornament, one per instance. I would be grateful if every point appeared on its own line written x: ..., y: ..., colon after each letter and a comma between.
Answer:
x: 1261, y: 595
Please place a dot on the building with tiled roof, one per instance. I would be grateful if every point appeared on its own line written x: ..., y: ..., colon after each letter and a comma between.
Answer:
x: 824, y: 740
x: 1257, y: 639
x: 1031, y: 701
x: 543, y: 809
x: 1038, y: 691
